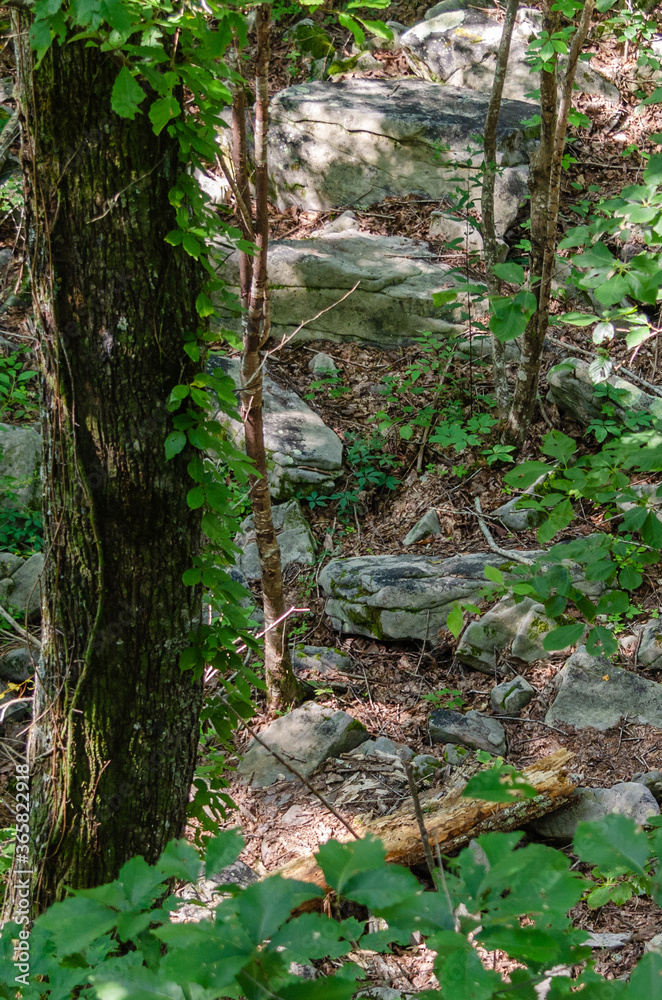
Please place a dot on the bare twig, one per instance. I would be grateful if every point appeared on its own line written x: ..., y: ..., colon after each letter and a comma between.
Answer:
x: 418, y: 812
x: 507, y: 553
x: 17, y: 628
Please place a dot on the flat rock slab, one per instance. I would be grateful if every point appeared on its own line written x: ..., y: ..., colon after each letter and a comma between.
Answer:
x: 593, y: 693
x: 356, y: 142
x: 297, y: 545
x: 401, y: 596
x: 391, y: 306
x: 302, y: 452
x: 480, y: 732
x: 459, y: 47
x: 306, y: 736
x: 573, y: 390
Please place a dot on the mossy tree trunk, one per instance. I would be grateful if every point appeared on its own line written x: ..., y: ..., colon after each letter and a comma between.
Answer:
x: 113, y: 743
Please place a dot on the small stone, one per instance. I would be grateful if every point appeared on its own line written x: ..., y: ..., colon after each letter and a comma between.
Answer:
x: 382, y: 744
x: 511, y: 696
x: 306, y: 736
x: 472, y: 730
x: 322, y: 362
x: 649, y: 653
x: 9, y: 563
x: 652, y: 780
x: 587, y: 804
x: 654, y: 945
x: 428, y: 525
x: 26, y: 595
x: 424, y: 766
x: 17, y: 665
x: 607, y: 940
x: 316, y: 662
x: 455, y: 755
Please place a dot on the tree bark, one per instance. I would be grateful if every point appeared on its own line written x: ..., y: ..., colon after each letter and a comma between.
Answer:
x: 283, y: 688
x: 545, y: 187
x: 491, y: 248
x: 112, y: 747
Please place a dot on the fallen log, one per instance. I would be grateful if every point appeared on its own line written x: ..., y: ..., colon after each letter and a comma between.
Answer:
x: 452, y: 821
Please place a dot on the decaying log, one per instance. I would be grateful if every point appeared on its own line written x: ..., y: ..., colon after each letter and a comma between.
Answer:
x: 453, y: 821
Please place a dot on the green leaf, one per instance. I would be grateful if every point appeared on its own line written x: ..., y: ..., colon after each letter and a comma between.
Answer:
x: 599, y: 897
x: 352, y: 25
x: 611, y: 292
x: 653, y: 172
x: 377, y: 28
x: 341, y: 862
x: 180, y: 859
x: 117, y: 16
x: 455, y: 620
x: 493, y: 574
x: 204, y: 305
x: 651, y: 531
x: 499, y: 784
x: 222, y: 851
x: 264, y: 906
x: 174, y: 443
x: 163, y: 111
x: 578, y: 319
x: 598, y: 256
x: 646, y: 979
x: 601, y: 642
x: 76, y: 923
x: 630, y: 578
x: 613, y: 602
x: 558, y: 445
x: 510, y: 272
x: 191, y: 245
x: 382, y: 887
x: 310, y: 937
x: 612, y: 844
x: 139, y: 881
x: 443, y: 298
x: 525, y: 474
x: 563, y: 636
x: 126, y: 95
x: 195, y: 497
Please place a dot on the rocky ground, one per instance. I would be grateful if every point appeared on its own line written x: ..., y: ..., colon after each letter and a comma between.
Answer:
x: 362, y: 239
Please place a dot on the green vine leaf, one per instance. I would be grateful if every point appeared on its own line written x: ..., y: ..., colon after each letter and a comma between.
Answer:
x: 126, y: 95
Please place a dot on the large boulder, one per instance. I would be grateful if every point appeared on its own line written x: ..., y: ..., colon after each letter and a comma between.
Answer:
x: 306, y: 736
x: 20, y: 455
x: 401, y: 596
x: 593, y: 693
x: 303, y: 454
x: 573, y: 390
x: 356, y: 142
x: 459, y: 47
x: 392, y: 305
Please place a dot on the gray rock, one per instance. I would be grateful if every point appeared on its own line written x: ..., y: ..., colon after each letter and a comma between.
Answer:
x: 321, y: 363
x: 354, y: 143
x: 511, y: 696
x: 20, y: 455
x: 319, y: 663
x: 401, y: 596
x: 444, y: 6
x: 26, y: 595
x: 17, y: 665
x: 519, y: 627
x: 235, y: 874
x: 303, y: 454
x: 654, y: 945
x: 425, y: 766
x: 428, y: 525
x: 473, y: 730
x: 342, y: 223
x: 652, y: 780
x: 589, y: 804
x: 607, y: 940
x: 15, y: 709
x: 382, y: 744
x: 459, y: 47
x: 6, y: 588
x: 481, y: 347
x: 306, y: 736
x: 454, y: 754
x: 392, y: 304
x: 572, y: 389
x: 295, y: 538
x: 593, y: 693
x: 649, y: 653
x: 9, y: 563
x: 511, y: 516
x: 451, y: 227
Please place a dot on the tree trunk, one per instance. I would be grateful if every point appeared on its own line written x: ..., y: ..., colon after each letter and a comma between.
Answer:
x: 283, y: 689
x: 112, y: 747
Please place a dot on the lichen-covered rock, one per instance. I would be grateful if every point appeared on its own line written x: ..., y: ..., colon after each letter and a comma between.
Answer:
x: 295, y: 539
x: 652, y: 781
x: 589, y: 804
x: 303, y: 454
x: 511, y: 696
x: 25, y: 591
x: 17, y: 665
x: 306, y: 736
x: 356, y: 142
x: 425, y: 766
x: 593, y: 693
x: 517, y: 626
x: 392, y: 304
x: 20, y: 457
x: 459, y: 47
x: 319, y: 665
x: 649, y: 653
x: 382, y: 744
x: 479, y: 732
x: 401, y: 596
x: 573, y: 390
